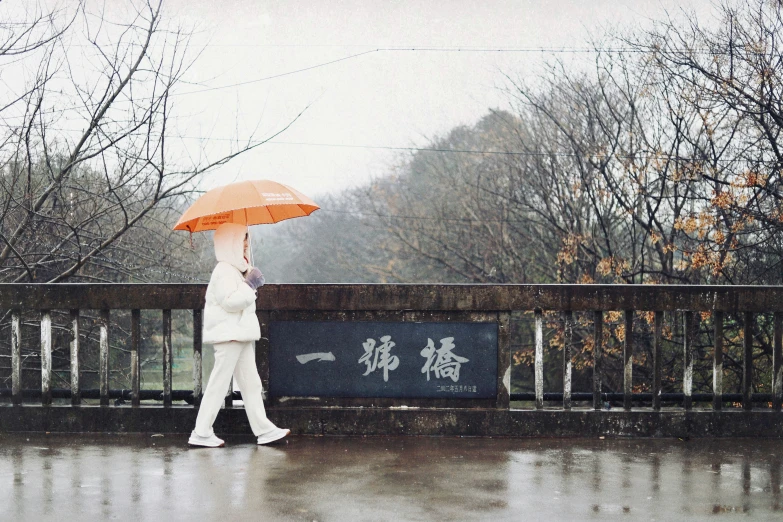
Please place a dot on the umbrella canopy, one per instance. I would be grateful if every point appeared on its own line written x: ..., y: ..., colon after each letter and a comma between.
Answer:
x: 252, y: 202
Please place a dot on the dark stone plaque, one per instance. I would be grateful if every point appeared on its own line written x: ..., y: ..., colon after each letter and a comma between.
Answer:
x: 383, y: 359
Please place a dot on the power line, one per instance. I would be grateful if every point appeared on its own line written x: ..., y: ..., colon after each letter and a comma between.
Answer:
x: 470, y: 49
x: 247, y: 82
x: 455, y: 151
x: 638, y: 156
x: 542, y: 50
x: 427, y: 218
x: 556, y: 50
x: 288, y: 73
x: 457, y: 48
x: 392, y: 49
x: 421, y: 218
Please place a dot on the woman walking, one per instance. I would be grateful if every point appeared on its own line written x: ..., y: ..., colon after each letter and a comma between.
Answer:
x: 231, y: 325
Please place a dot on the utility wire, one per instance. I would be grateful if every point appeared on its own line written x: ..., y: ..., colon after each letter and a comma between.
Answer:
x: 421, y: 218
x: 574, y: 50
x: 486, y: 49
x: 407, y: 47
x: 426, y: 218
x: 638, y: 156
x: 288, y: 73
x: 431, y: 49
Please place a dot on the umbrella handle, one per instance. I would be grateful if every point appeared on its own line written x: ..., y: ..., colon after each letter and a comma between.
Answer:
x: 249, y: 241
x: 250, y: 247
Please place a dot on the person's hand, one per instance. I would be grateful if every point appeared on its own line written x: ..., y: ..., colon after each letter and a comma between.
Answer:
x: 254, y: 278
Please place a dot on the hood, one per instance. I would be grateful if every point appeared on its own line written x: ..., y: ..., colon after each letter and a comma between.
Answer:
x: 229, y: 238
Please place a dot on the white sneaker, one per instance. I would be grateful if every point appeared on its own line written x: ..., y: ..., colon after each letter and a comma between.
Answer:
x: 208, y: 442
x: 271, y: 436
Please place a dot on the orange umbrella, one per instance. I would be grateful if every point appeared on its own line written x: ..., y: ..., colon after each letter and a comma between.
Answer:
x: 252, y: 202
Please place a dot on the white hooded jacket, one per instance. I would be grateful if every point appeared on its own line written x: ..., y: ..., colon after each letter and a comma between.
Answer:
x: 230, y: 311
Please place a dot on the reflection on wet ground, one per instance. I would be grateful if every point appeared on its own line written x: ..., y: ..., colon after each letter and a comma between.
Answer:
x: 137, y: 477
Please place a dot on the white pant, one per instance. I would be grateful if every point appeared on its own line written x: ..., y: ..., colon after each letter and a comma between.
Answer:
x: 238, y: 359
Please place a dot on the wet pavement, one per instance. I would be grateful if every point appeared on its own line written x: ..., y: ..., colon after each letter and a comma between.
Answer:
x: 142, y: 477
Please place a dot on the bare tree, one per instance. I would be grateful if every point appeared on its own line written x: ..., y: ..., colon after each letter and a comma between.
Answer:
x: 732, y: 77
x: 92, y: 172
x: 89, y: 146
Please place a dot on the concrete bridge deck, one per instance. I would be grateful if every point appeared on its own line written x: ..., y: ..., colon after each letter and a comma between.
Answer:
x: 144, y: 477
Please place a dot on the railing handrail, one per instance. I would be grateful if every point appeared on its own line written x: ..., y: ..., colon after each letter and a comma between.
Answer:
x: 389, y: 297
x: 500, y: 300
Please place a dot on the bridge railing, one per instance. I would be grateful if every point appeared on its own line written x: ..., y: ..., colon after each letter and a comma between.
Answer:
x: 363, y: 302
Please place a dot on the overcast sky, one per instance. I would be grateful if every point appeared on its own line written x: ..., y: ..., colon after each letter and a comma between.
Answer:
x: 384, y: 98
